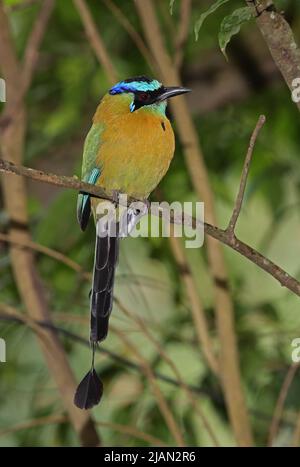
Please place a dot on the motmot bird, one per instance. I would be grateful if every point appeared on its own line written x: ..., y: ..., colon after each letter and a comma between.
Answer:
x: 127, y: 150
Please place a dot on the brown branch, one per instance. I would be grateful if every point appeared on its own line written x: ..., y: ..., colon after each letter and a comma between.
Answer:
x: 29, y: 63
x: 183, y: 31
x: 279, y: 38
x: 245, y: 172
x: 8, y: 58
x: 95, y: 39
x: 255, y: 257
x: 133, y: 34
x: 58, y: 180
x: 29, y: 244
x: 215, y: 232
x: 34, y: 42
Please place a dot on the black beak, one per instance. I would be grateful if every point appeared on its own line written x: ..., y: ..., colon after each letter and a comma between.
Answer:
x: 171, y: 92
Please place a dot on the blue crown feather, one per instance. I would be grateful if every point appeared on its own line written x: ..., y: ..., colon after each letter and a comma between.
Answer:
x: 141, y: 83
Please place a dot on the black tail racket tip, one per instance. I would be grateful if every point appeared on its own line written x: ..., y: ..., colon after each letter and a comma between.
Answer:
x: 90, y: 389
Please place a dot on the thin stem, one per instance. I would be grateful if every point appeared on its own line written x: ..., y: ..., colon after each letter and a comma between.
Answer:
x: 183, y: 31
x: 280, y: 403
x: 240, y: 196
x: 95, y: 39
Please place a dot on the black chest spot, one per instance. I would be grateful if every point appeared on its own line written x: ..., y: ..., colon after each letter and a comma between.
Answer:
x: 163, y: 126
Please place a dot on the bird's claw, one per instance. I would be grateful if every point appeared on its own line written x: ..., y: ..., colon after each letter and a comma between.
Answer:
x: 147, y: 204
x: 115, y: 197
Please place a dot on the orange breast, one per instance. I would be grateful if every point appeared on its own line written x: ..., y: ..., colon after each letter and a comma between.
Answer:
x: 136, y: 148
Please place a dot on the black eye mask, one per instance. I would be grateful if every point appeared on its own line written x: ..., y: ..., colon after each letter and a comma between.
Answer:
x: 142, y: 98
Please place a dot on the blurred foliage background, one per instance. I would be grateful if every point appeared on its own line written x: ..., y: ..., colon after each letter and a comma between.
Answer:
x: 227, y: 98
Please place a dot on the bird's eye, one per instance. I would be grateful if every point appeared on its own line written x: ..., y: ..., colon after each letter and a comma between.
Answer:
x: 143, y: 96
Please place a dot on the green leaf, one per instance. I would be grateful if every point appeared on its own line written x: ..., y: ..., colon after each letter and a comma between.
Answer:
x: 231, y: 25
x: 204, y: 15
x: 171, y: 6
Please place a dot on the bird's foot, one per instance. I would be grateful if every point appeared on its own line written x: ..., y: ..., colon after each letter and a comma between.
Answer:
x: 147, y: 204
x: 115, y: 197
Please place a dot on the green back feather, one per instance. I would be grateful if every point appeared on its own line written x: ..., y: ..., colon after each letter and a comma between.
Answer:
x: 90, y: 171
x: 91, y: 149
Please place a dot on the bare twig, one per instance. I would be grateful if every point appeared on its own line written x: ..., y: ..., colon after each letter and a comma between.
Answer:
x: 25, y: 243
x: 94, y: 38
x: 240, y: 196
x: 183, y: 31
x: 245, y: 250
x: 135, y: 36
x: 29, y: 62
x: 280, y: 403
x: 57, y: 180
x: 34, y: 42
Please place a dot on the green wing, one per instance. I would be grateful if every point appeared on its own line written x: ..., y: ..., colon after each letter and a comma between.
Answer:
x: 90, y: 172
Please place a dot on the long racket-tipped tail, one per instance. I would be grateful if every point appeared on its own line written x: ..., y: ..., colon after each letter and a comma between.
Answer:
x: 90, y: 389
